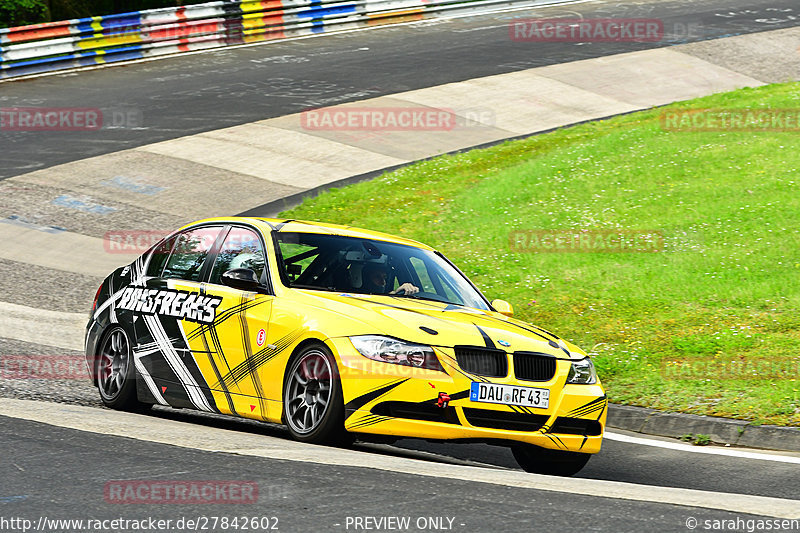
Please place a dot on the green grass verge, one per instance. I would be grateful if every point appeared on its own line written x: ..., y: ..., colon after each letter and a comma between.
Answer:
x: 723, y: 293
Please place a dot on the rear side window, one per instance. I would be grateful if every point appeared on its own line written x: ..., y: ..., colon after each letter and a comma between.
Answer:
x: 240, y: 249
x: 190, y: 253
x: 297, y: 257
x: 159, y: 257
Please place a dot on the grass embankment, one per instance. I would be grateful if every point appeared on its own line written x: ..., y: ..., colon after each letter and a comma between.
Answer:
x: 722, y: 295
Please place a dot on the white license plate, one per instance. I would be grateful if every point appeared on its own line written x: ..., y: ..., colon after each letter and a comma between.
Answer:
x: 509, y: 395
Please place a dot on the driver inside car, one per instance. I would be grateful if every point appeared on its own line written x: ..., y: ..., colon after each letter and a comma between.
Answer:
x: 375, y: 276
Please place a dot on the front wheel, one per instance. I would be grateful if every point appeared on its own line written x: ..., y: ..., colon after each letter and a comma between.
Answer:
x: 538, y: 460
x: 313, y: 406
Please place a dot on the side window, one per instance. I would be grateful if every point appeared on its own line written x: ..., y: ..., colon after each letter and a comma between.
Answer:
x: 240, y: 249
x: 297, y: 258
x: 422, y: 273
x: 189, y: 255
x: 158, y: 258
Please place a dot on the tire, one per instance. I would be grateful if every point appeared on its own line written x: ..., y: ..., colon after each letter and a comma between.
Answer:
x: 538, y: 460
x: 116, y: 376
x: 313, y: 406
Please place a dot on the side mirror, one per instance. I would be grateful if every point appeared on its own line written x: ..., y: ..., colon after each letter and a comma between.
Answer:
x: 503, y: 307
x: 241, y: 278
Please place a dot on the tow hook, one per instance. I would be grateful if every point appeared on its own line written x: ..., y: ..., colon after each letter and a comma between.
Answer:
x: 443, y: 400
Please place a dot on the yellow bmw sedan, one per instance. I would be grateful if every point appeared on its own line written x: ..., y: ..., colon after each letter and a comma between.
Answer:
x: 338, y: 333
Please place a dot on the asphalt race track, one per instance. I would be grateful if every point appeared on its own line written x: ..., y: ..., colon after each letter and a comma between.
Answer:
x: 58, y: 471
x: 49, y: 477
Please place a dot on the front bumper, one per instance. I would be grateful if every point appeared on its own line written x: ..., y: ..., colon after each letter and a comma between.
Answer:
x: 388, y: 399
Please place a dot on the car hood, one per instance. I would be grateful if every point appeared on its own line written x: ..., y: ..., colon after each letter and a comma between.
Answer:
x: 415, y: 320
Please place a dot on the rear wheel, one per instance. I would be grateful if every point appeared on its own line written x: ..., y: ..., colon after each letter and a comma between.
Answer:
x: 313, y: 407
x: 538, y: 460
x: 116, y: 379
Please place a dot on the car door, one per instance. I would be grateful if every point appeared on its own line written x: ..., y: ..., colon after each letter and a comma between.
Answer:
x: 168, y: 301
x: 232, y: 351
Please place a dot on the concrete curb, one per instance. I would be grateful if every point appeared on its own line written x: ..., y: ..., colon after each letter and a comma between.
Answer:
x: 719, y: 430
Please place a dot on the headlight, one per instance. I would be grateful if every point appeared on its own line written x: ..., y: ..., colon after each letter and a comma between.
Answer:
x: 389, y: 350
x: 582, y: 372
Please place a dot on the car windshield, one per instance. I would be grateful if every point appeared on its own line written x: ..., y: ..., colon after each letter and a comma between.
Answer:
x: 363, y: 266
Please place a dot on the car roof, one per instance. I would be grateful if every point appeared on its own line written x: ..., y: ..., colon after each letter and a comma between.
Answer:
x: 304, y: 226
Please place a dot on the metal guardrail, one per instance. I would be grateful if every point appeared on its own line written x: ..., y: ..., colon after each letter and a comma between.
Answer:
x: 92, y: 41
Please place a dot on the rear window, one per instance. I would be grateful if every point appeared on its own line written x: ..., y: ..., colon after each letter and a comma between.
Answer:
x: 190, y: 253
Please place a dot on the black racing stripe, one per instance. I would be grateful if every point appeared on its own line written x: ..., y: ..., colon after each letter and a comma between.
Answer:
x: 357, y: 403
x: 214, y: 334
x: 399, y: 307
x: 369, y: 421
x: 554, y: 440
x: 248, y: 358
x: 586, y: 412
x: 454, y: 365
x: 602, y: 411
x: 459, y: 395
x: 228, y: 313
x: 592, y: 406
x: 205, y: 391
x: 239, y: 308
x: 163, y: 375
x: 487, y: 340
x: 218, y: 376
x: 585, y: 438
x: 536, y: 330
x: 261, y: 357
x: 365, y: 421
x: 173, y: 329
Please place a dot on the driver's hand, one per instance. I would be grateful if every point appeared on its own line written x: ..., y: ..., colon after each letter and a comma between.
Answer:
x: 407, y: 288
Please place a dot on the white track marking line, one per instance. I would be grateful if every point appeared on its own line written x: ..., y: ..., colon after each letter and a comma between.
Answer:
x: 39, y: 326
x: 201, y: 437
x: 65, y: 251
x: 697, y: 449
